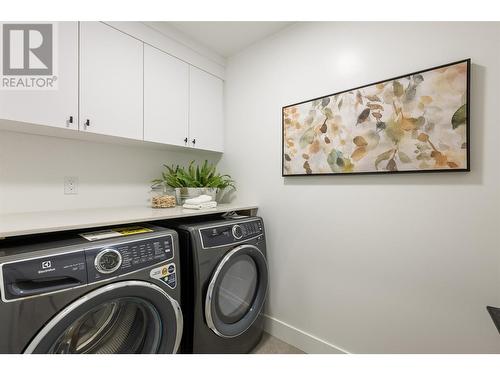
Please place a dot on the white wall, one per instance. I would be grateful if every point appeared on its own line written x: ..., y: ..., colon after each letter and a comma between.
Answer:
x: 32, y: 170
x: 371, y: 264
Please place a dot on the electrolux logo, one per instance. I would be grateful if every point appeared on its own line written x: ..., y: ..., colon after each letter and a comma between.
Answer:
x: 46, y: 267
x: 28, y: 56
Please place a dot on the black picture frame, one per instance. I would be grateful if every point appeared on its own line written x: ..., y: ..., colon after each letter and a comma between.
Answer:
x: 383, y: 172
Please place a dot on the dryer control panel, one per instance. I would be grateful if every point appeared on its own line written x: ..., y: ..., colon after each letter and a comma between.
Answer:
x: 115, y: 260
x: 228, y: 234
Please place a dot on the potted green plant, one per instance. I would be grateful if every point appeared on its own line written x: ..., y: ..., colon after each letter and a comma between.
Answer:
x: 194, y: 181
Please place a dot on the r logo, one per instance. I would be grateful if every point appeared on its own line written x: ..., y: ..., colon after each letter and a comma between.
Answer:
x: 27, y: 49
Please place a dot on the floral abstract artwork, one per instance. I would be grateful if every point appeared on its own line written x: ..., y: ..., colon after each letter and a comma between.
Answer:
x: 413, y: 123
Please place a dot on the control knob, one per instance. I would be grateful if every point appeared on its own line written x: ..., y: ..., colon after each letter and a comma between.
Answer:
x: 237, y: 232
x: 108, y: 261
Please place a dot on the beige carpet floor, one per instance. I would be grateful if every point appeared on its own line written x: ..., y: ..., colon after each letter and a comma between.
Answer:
x: 271, y: 345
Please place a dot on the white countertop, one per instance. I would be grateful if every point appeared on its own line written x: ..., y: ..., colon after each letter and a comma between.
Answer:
x: 17, y: 224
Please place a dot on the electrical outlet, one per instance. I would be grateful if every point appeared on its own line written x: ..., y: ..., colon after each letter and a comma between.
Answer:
x: 70, y: 185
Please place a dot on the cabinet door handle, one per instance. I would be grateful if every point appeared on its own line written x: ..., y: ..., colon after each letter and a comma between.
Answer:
x: 193, y: 141
x: 87, y: 123
x: 70, y: 120
x: 185, y: 141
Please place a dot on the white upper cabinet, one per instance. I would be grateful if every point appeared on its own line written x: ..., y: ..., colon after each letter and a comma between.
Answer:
x: 57, y: 107
x: 206, y: 114
x: 166, y: 98
x: 111, y: 81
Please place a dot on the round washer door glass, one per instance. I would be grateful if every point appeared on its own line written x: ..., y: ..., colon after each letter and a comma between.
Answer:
x: 124, y: 325
x: 237, y: 291
x: 122, y: 318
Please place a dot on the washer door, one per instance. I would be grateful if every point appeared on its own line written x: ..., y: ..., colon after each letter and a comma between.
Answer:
x: 237, y: 291
x: 121, y: 318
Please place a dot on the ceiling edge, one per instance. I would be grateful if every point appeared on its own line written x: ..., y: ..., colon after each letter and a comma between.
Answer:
x: 177, y: 35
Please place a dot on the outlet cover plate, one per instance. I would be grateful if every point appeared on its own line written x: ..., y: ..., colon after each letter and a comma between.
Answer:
x: 70, y: 185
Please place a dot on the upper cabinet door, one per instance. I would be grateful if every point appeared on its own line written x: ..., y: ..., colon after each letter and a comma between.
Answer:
x: 111, y: 81
x: 206, y: 114
x: 58, y: 106
x: 166, y: 98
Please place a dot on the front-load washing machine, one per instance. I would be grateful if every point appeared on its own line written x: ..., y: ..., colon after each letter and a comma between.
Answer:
x: 224, y: 284
x: 86, y: 294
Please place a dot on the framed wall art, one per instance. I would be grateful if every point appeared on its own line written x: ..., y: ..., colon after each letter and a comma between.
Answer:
x: 418, y: 122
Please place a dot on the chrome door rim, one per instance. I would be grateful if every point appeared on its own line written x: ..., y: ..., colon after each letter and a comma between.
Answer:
x: 211, y: 286
x: 87, y: 297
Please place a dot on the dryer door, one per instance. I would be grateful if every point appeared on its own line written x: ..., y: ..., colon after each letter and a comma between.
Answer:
x: 125, y: 317
x: 237, y: 291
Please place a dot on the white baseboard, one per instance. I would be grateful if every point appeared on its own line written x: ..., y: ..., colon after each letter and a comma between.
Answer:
x: 298, y: 338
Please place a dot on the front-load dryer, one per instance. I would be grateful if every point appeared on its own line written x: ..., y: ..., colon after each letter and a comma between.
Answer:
x: 225, y: 281
x: 87, y: 295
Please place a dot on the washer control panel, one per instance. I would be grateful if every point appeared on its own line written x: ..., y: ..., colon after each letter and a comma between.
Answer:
x: 115, y: 260
x: 230, y: 233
